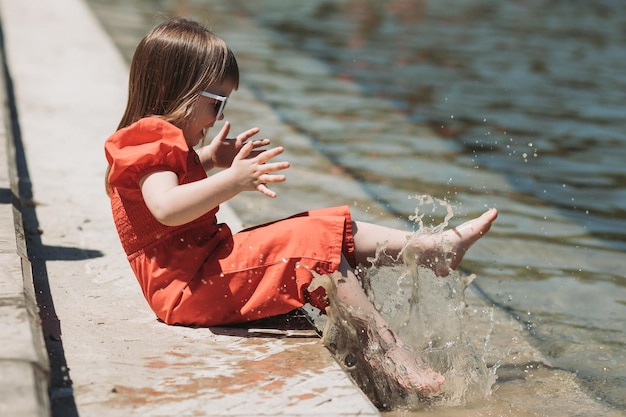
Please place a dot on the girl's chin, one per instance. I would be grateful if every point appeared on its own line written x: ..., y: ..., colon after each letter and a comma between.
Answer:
x: 202, y: 136
x: 192, y: 143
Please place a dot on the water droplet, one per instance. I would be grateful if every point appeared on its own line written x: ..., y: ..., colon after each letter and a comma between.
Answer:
x: 350, y: 360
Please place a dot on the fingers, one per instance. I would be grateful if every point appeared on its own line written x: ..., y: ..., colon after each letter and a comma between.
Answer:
x: 265, y: 156
x: 259, y: 165
x: 245, y: 150
x: 262, y: 188
x: 262, y: 156
x: 260, y: 142
x: 221, y: 135
x: 268, y: 169
x: 269, y: 178
x: 244, y: 136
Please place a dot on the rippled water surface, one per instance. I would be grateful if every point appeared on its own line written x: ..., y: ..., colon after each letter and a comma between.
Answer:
x: 513, y: 104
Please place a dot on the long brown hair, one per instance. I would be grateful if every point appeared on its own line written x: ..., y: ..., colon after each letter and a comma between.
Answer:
x: 171, y: 65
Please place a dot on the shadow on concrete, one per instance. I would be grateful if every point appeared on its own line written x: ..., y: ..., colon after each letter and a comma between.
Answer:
x: 64, y: 253
x: 295, y: 324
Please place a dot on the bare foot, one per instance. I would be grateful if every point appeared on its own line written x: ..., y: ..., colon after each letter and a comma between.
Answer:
x: 411, y: 371
x: 402, y: 364
x: 407, y: 368
x: 444, y: 251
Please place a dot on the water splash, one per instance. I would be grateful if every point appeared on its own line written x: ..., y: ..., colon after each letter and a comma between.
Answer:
x: 426, y: 312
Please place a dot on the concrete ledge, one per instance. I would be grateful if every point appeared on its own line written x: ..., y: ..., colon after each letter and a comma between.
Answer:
x: 22, y: 392
x: 23, y: 357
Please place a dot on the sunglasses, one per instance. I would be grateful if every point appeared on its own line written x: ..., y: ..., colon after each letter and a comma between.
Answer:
x: 220, y: 102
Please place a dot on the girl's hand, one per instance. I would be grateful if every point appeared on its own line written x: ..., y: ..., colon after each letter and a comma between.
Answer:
x: 222, y: 150
x: 254, y: 169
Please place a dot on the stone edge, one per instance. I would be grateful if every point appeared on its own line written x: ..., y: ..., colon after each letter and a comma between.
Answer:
x: 24, y: 379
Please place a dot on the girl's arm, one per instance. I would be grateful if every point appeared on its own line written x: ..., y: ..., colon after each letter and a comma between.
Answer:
x: 174, y: 204
x: 222, y: 150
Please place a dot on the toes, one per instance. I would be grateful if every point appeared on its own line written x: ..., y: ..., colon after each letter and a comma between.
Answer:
x: 442, y: 270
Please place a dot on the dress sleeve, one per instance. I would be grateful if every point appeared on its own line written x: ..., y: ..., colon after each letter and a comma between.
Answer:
x: 149, y: 145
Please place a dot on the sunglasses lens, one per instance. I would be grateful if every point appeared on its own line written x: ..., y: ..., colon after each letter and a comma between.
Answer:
x: 219, y: 108
x: 219, y: 103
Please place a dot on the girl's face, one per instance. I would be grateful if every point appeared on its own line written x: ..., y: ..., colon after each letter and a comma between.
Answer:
x: 203, y: 115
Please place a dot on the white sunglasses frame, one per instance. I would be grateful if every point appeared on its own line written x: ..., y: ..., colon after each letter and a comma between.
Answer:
x: 221, y: 99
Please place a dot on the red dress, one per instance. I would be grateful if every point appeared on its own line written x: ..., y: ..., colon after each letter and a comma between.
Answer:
x: 200, y: 273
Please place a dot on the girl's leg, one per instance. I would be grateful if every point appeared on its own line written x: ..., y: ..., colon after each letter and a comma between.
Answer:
x: 397, y: 360
x: 441, y: 252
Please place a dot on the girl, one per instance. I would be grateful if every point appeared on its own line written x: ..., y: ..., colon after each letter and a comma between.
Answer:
x: 194, y: 271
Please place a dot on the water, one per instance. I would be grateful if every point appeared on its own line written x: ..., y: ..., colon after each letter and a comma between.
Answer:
x: 517, y: 105
x: 427, y: 313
